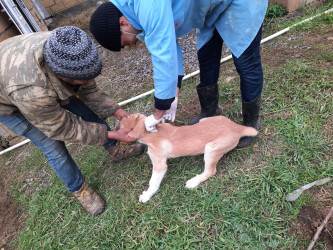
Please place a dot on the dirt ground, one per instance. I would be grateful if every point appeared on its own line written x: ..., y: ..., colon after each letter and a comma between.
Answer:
x: 12, y: 217
x: 311, y: 217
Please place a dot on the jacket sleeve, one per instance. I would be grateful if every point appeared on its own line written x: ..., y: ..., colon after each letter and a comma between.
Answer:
x: 97, y: 100
x: 180, y: 60
x: 156, y: 19
x: 41, y: 108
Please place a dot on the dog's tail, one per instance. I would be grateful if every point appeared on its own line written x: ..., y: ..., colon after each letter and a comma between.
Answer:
x: 249, y: 131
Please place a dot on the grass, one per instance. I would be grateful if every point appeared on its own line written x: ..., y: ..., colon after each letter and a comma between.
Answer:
x: 243, y: 206
x: 276, y: 24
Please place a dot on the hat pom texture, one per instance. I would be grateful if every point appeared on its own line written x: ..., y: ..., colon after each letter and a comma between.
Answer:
x: 72, y: 54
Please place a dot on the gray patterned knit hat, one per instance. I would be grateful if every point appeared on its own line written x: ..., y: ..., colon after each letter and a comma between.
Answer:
x: 72, y: 54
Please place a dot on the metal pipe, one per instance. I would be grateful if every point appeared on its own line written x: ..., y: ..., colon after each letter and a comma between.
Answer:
x: 42, y: 11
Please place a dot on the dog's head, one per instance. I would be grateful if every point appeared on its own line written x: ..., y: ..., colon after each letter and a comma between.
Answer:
x: 136, y: 122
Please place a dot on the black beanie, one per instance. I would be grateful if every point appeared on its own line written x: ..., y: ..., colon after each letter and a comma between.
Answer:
x: 105, y: 27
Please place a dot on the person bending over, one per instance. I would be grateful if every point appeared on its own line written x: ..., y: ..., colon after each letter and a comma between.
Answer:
x: 49, y: 95
x: 121, y: 23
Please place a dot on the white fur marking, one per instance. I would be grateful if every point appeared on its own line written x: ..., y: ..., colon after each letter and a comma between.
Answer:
x: 195, y: 181
x: 166, y: 146
x: 154, y: 185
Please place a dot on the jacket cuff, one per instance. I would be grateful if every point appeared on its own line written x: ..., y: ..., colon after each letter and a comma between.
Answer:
x: 179, y: 84
x: 163, y: 104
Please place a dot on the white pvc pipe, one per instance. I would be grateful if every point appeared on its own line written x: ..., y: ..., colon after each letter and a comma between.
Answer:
x: 287, y: 29
x: 193, y: 73
x: 15, y: 146
x: 136, y: 97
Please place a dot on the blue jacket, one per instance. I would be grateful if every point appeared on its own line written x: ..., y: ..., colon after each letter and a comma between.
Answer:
x: 162, y: 21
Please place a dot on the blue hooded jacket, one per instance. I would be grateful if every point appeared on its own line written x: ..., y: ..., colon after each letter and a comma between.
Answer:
x: 162, y: 21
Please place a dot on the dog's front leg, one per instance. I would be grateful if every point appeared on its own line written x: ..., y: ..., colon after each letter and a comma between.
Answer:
x: 159, y: 170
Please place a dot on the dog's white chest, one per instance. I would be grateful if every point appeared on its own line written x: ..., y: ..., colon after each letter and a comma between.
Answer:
x: 164, y: 148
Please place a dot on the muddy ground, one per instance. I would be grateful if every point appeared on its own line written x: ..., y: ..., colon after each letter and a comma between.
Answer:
x: 12, y: 217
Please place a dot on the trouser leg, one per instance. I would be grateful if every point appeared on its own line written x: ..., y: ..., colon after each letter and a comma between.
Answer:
x: 209, y: 57
x: 209, y: 63
x: 55, y: 151
x: 249, y: 68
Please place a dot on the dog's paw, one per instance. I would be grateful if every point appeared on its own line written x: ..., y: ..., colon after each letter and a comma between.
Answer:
x: 144, y: 197
x: 192, y: 183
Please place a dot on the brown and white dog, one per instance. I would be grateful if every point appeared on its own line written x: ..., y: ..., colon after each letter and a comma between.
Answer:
x: 212, y: 137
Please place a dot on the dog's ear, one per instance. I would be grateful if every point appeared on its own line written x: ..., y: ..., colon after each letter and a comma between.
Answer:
x: 139, y: 128
x: 128, y: 122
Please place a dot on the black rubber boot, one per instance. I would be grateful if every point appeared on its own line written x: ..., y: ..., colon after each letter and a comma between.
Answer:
x: 250, y: 112
x: 209, y: 102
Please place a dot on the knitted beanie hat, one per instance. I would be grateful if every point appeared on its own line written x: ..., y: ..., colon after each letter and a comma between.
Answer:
x: 72, y: 54
x: 105, y: 27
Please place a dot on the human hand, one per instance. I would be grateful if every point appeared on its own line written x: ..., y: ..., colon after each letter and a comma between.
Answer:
x: 170, y: 114
x: 120, y: 114
x: 150, y: 123
x: 121, y: 135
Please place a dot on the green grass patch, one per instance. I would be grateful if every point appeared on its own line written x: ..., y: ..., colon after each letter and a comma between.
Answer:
x: 274, y: 23
x: 242, y: 206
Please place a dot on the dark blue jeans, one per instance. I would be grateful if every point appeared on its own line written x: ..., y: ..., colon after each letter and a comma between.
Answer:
x: 55, y: 151
x: 248, y: 66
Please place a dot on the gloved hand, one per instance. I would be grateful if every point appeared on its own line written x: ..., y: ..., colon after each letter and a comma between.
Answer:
x: 170, y: 114
x: 150, y: 123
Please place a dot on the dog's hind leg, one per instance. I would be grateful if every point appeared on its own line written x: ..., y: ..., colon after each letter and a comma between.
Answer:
x: 213, y: 153
x: 159, y: 170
